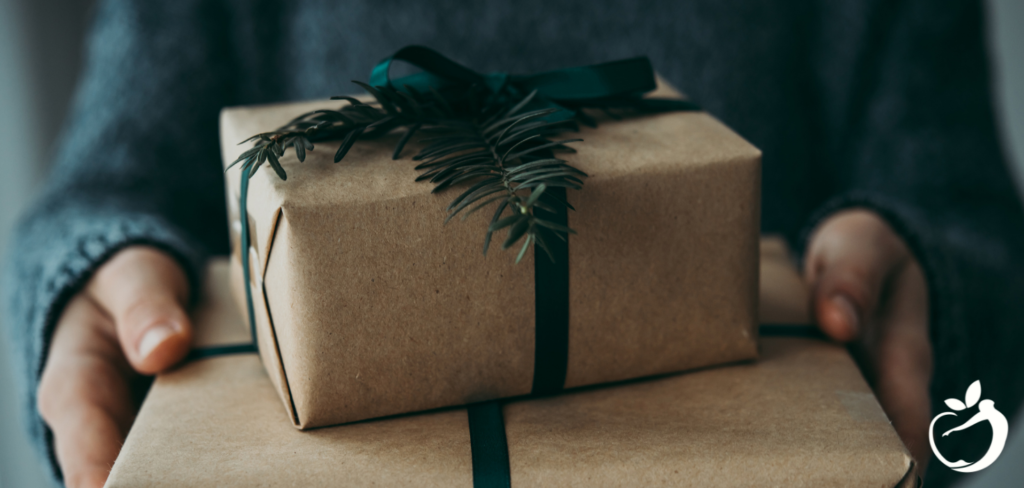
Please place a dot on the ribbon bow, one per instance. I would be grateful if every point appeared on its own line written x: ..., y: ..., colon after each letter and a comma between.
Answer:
x: 606, y: 85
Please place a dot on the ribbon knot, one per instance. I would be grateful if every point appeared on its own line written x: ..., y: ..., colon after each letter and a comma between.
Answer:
x: 619, y: 83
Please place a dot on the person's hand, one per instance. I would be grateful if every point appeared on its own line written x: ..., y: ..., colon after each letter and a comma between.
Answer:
x: 868, y: 290
x: 129, y: 321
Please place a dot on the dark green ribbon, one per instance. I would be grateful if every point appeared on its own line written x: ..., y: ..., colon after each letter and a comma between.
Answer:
x: 488, y: 445
x: 579, y: 85
x: 551, y: 305
x: 217, y: 351
x: 243, y: 214
x: 252, y: 347
x: 614, y: 84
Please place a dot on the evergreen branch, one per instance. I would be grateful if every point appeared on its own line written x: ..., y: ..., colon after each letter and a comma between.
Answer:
x: 509, y: 153
x: 497, y: 150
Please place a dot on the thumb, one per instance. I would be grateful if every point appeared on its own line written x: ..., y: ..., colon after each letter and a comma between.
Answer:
x: 849, y: 260
x: 144, y: 290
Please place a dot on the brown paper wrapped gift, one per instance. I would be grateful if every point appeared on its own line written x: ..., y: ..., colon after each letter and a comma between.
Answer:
x: 801, y: 416
x: 366, y: 305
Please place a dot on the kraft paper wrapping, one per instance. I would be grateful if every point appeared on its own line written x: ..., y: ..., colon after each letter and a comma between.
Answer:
x: 367, y: 306
x: 800, y: 416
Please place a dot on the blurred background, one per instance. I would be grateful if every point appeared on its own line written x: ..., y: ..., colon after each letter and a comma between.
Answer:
x: 41, y: 54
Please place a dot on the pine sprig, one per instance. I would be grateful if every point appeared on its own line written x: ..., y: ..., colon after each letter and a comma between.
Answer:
x: 502, y: 154
x: 356, y: 120
x: 505, y: 160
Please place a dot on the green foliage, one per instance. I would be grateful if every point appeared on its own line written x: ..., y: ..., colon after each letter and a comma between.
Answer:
x: 499, y: 150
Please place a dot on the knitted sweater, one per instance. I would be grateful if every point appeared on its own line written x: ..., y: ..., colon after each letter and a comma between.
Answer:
x: 881, y: 104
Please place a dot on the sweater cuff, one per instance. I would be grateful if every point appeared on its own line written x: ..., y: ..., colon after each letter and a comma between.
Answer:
x: 950, y: 341
x: 48, y: 266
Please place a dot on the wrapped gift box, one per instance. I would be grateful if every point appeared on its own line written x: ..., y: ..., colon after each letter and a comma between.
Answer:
x: 800, y: 416
x: 367, y: 306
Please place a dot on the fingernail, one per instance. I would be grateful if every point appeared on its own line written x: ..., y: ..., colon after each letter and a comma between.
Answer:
x: 154, y: 337
x: 849, y: 313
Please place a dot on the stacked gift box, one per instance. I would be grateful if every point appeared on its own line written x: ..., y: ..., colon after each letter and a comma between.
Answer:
x: 801, y: 415
x: 392, y: 352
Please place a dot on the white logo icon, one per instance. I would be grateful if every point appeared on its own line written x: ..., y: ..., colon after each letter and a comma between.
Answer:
x: 986, y: 413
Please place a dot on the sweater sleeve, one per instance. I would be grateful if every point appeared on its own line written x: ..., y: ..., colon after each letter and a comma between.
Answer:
x: 138, y: 163
x: 911, y: 134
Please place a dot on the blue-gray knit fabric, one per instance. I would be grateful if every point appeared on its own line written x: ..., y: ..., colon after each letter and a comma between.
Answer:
x: 877, y: 103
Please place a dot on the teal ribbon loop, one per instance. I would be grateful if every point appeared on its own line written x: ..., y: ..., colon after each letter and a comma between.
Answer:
x: 438, y: 70
x: 606, y: 85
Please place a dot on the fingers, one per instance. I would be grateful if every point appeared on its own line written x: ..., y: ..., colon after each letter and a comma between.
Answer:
x: 84, y: 394
x: 903, y: 355
x: 849, y: 260
x: 145, y: 291
x: 130, y: 318
x: 867, y: 286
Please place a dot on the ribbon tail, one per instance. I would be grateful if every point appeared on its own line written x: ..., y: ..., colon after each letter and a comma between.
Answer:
x: 243, y: 214
x: 488, y: 446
